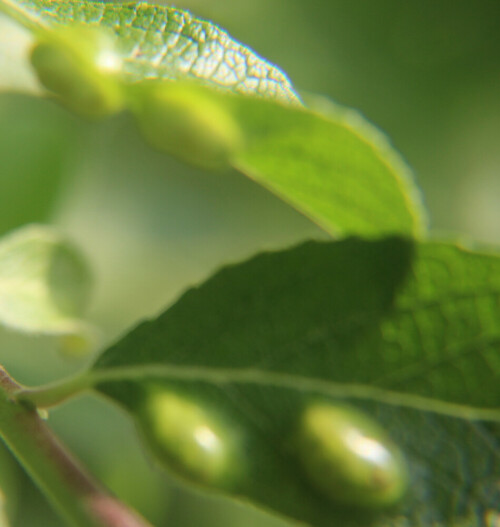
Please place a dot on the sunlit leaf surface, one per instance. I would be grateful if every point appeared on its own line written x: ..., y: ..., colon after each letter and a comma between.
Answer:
x: 164, y: 42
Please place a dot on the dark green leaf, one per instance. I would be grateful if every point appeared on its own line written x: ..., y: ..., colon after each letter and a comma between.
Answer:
x: 340, y: 322
x: 36, y: 143
x: 443, y: 338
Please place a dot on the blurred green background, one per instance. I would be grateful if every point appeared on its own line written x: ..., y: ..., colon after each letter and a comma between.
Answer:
x: 426, y: 72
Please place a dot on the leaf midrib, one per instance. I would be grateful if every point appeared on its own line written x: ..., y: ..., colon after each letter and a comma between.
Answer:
x: 226, y: 376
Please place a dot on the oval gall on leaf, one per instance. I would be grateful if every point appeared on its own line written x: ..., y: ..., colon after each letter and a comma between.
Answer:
x: 80, y: 66
x: 188, y: 439
x: 187, y: 122
x: 349, y: 458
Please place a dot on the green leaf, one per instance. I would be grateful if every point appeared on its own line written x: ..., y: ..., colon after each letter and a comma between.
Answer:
x: 338, y: 322
x: 4, y: 521
x: 157, y: 42
x: 443, y: 338
x: 328, y: 167
x: 44, y: 287
x: 334, y: 169
x: 36, y: 145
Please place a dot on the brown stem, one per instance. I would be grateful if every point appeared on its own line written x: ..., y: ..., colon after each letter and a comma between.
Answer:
x: 78, y: 497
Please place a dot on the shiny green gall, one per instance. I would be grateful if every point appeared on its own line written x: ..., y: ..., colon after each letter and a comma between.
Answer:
x: 80, y: 66
x: 349, y: 458
x: 187, y: 122
x: 188, y: 439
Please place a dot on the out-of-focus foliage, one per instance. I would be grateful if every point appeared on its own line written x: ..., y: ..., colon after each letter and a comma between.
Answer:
x: 45, y: 287
x: 427, y: 73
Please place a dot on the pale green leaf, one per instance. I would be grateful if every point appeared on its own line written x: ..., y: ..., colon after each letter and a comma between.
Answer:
x: 334, y: 169
x: 15, y: 73
x: 44, y: 287
x: 158, y: 42
x: 9, y: 487
x: 337, y: 173
x: 4, y: 521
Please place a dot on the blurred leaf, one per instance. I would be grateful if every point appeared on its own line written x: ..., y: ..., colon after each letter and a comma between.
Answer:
x: 15, y: 74
x: 163, y: 42
x: 36, y: 142
x: 9, y: 486
x: 4, y: 521
x: 338, y: 321
x: 335, y: 171
x: 44, y: 287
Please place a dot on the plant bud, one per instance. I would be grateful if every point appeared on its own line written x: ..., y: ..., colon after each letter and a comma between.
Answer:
x: 188, y: 123
x: 349, y: 458
x: 188, y: 439
x: 80, y: 66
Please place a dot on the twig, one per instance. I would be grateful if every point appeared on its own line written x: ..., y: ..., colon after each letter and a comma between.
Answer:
x: 79, y: 498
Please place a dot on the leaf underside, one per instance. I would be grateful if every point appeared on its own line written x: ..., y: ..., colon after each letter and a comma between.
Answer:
x: 159, y: 42
x: 334, y: 173
x: 380, y: 325
x: 338, y: 176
